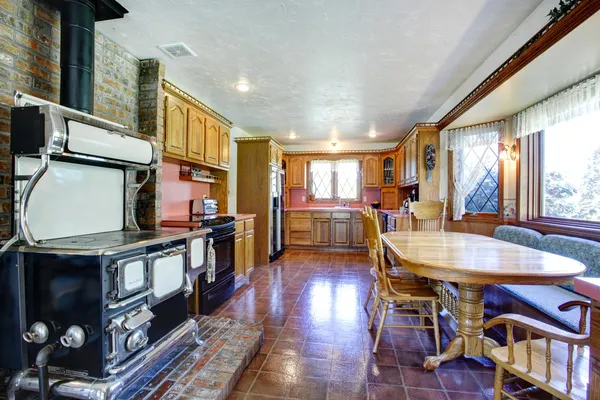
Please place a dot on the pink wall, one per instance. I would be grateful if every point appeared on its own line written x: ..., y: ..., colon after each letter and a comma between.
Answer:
x: 296, y: 198
x: 176, y: 194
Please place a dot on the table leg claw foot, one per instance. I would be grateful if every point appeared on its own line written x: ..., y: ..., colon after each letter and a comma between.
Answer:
x: 456, y: 348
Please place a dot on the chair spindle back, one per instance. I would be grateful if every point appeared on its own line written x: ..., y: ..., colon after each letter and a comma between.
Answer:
x: 427, y: 213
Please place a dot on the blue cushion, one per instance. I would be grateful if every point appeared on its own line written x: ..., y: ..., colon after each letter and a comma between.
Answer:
x: 547, y: 299
x: 585, y: 251
x: 514, y: 234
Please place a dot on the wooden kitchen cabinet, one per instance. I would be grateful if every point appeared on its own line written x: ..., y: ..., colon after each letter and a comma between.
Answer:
x: 211, y: 152
x: 389, y: 199
x: 175, y: 129
x: 224, y: 143
x: 248, y: 251
x: 411, y: 161
x: 295, y: 171
x: 388, y: 170
x: 400, y: 164
x: 371, y: 171
x: 240, y: 256
x: 341, y: 232
x: 358, y: 234
x: 195, y: 134
x: 321, y: 232
x: 300, y: 228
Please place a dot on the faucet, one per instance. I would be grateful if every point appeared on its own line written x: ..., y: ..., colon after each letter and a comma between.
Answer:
x: 337, y: 196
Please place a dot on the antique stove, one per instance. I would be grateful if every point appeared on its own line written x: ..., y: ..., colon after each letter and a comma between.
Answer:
x: 88, y: 302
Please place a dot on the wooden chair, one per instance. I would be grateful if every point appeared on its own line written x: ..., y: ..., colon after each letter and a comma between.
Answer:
x: 427, y: 214
x: 396, y: 292
x: 395, y: 273
x: 549, y: 363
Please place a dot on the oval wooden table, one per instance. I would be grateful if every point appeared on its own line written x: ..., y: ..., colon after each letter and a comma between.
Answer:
x: 473, y: 261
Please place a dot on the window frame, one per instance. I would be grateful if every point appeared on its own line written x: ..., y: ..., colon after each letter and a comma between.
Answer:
x: 334, y: 180
x: 486, y: 217
x: 530, y: 172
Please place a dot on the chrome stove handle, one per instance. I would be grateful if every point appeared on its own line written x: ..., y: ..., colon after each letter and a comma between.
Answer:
x: 25, y: 196
x: 126, y: 302
x: 172, y: 252
x: 189, y: 287
x: 135, y: 320
x: 38, y: 333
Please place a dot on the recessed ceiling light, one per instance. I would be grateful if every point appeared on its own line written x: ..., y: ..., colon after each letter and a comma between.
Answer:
x: 292, y: 135
x: 372, y: 131
x: 242, y: 87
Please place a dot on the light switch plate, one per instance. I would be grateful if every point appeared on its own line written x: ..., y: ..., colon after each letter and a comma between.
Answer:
x: 365, y: 199
x: 303, y: 198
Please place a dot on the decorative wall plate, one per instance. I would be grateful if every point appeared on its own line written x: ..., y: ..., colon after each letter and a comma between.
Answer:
x: 430, y: 159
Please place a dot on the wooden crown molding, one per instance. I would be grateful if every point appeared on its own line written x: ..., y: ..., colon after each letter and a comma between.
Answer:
x: 551, y: 33
x: 258, y: 139
x: 171, y: 88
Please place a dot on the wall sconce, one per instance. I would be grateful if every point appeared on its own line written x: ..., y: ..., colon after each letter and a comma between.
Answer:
x: 507, y: 152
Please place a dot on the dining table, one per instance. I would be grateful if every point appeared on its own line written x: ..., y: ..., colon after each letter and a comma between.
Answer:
x: 472, y: 261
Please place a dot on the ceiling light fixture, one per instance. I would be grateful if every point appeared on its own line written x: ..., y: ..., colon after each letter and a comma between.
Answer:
x: 372, y: 131
x: 242, y: 86
x: 292, y: 135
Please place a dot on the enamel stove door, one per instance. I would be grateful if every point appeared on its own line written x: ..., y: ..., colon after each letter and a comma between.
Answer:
x: 166, y: 270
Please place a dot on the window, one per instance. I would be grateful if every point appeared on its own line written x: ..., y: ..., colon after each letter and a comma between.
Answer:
x: 330, y: 179
x: 484, y: 197
x: 570, y: 169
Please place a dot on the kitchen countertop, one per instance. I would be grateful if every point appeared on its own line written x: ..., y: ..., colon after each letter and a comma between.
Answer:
x: 394, y: 213
x: 185, y: 221
x: 325, y: 209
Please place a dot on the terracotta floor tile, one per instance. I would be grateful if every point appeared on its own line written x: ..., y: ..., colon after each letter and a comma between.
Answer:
x: 317, y: 350
x: 349, y: 353
x: 465, y: 396
x: 349, y: 371
x: 425, y: 394
x: 384, y: 374
x: 246, y: 381
x: 315, y: 368
x: 386, y: 392
x: 267, y: 346
x: 309, y: 389
x: 383, y: 357
x: 462, y: 381
x: 339, y: 390
x: 271, y: 384
x: 411, y: 358
x: 281, y: 364
x: 290, y: 348
x: 272, y: 332
x: 420, y: 378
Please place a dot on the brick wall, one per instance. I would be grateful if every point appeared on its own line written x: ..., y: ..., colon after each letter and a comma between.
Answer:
x: 30, y: 62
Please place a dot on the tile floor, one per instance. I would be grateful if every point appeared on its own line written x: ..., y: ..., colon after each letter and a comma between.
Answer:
x: 317, y: 345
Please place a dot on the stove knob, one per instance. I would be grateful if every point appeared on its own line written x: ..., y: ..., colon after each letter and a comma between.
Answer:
x: 74, y: 337
x: 38, y: 333
x: 136, y: 340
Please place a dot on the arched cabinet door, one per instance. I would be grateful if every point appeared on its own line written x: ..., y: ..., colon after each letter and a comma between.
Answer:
x: 371, y: 172
x: 389, y: 171
x: 196, y: 128
x: 175, y: 135
x: 211, y: 152
x: 225, y: 138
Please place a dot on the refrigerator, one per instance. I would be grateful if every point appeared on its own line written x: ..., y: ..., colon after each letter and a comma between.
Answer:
x: 277, y: 214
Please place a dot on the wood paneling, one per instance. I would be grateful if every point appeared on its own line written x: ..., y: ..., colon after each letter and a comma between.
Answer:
x: 224, y: 142
x: 249, y: 252
x: 240, y: 255
x: 358, y: 234
x: 195, y: 134
x: 176, y: 118
x: 211, y: 149
x: 341, y: 232
x: 371, y: 171
x: 389, y: 199
x: 321, y: 232
x: 295, y: 171
x: 428, y: 190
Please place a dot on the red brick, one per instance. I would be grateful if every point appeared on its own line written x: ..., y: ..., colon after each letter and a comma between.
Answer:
x: 7, y: 5
x: 44, y: 62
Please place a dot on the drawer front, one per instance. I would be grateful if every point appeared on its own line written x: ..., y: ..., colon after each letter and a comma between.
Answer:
x: 300, y: 225
x: 239, y: 226
x: 340, y: 215
x: 321, y: 215
x: 300, y: 239
x: 392, y: 222
x: 298, y: 214
x: 249, y: 224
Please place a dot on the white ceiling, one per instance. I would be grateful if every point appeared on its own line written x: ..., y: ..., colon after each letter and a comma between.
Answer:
x: 572, y: 59
x: 316, y: 64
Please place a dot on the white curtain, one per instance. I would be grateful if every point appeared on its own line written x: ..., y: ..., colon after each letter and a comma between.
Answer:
x: 580, y: 99
x: 468, y: 146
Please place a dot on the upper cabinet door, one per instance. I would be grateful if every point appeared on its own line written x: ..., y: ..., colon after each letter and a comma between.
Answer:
x: 295, y: 169
x: 389, y: 171
x: 175, y: 135
x: 400, y: 162
x: 225, y: 138
x: 211, y: 149
x: 195, y: 137
x: 371, y: 172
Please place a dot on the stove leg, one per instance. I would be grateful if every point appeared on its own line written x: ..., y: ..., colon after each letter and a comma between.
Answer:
x: 195, y: 335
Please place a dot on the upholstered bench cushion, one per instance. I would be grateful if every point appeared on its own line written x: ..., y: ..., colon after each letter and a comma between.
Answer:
x: 547, y: 299
x: 514, y: 234
x: 585, y: 251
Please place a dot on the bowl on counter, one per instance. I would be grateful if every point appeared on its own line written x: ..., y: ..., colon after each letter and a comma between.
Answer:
x: 376, y: 205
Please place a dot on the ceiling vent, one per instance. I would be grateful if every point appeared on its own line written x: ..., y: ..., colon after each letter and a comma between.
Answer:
x: 177, y: 50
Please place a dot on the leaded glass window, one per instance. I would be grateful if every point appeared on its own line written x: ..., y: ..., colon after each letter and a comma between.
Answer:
x: 332, y: 179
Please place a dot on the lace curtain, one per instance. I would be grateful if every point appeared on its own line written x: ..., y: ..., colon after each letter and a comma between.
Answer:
x: 469, y: 151
x: 580, y: 99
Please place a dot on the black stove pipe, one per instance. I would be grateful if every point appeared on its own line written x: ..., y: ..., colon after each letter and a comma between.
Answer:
x: 77, y: 42
x: 41, y: 360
